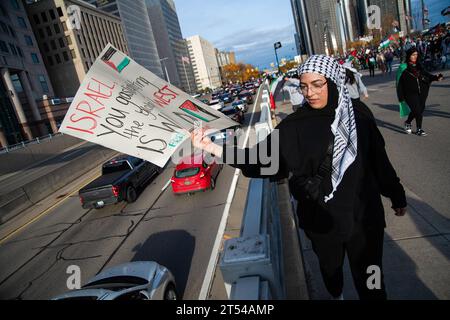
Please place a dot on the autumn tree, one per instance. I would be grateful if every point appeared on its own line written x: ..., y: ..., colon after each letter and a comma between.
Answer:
x: 288, y: 66
x: 239, y: 72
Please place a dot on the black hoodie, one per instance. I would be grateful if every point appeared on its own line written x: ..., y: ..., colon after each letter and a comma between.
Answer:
x: 415, y: 81
x: 303, y: 140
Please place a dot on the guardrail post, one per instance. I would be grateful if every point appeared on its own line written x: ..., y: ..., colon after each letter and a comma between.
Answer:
x: 253, y: 263
x: 251, y: 288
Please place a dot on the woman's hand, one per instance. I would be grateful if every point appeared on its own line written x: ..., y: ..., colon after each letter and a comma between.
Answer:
x: 200, y: 141
x: 400, y: 212
x: 440, y: 77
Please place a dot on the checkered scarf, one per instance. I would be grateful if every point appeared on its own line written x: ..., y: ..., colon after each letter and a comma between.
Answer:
x: 343, y: 126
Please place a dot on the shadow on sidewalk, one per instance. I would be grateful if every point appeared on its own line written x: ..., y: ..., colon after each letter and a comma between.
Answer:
x: 172, y: 249
x: 429, y: 112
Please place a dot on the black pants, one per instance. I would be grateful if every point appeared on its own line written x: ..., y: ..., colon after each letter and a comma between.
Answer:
x: 417, y: 105
x: 364, y: 248
x: 372, y: 70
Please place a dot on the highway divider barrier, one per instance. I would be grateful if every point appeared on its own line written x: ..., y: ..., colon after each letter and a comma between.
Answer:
x: 253, y: 263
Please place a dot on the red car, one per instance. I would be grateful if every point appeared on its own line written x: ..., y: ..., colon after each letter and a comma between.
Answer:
x: 194, y: 174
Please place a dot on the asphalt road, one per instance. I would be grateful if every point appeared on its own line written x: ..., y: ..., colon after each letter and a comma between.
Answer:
x: 175, y: 231
x: 18, y: 179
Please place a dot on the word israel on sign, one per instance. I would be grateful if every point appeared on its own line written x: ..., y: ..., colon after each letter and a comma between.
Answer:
x: 123, y: 106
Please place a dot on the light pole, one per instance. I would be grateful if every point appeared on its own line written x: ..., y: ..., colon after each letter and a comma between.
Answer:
x: 185, y: 73
x: 276, y: 46
x: 165, y: 68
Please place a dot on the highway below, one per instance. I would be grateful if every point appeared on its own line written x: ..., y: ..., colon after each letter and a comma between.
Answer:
x: 178, y: 232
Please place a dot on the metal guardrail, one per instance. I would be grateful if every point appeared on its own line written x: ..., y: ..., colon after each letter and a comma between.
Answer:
x: 253, y: 263
x: 24, y: 144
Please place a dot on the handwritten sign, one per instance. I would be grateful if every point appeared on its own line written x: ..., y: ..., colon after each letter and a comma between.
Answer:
x: 125, y: 107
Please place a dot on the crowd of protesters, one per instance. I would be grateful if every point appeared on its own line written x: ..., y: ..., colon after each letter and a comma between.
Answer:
x: 433, y: 49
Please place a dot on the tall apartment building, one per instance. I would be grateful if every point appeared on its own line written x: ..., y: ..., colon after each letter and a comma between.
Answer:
x: 325, y: 26
x: 24, y: 79
x: 69, y: 49
x: 172, y: 48
x: 396, y: 10
x: 319, y: 26
x: 204, y: 63
x: 137, y: 29
x: 224, y: 58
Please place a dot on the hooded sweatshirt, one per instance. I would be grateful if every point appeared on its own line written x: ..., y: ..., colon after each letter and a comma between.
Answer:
x: 304, y: 137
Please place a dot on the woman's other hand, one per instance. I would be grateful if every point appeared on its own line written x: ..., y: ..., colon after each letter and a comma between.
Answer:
x: 201, y: 141
x: 400, y: 212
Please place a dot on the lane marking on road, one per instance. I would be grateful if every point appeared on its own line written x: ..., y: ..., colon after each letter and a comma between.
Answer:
x: 45, y: 212
x: 166, y: 185
x: 207, y: 281
x: 71, y: 153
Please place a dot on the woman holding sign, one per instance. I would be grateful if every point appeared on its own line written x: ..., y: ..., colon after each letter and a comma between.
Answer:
x: 338, y: 167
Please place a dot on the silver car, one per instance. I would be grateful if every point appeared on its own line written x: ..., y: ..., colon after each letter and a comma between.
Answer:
x: 140, y: 280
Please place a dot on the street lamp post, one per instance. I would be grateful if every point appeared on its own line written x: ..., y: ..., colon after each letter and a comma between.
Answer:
x: 276, y: 46
x: 185, y: 73
x: 165, y: 68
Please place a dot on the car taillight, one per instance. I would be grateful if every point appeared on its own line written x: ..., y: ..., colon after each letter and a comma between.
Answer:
x: 81, y: 200
x: 202, y: 175
x: 115, y: 191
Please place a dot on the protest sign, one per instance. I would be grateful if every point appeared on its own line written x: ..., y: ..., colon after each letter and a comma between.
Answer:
x: 123, y: 106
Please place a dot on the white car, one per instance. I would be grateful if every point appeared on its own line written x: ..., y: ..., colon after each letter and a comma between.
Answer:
x: 139, y: 280
x: 216, y: 104
x: 241, y: 105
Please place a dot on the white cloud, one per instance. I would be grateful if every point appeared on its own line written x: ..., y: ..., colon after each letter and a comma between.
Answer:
x: 256, y: 46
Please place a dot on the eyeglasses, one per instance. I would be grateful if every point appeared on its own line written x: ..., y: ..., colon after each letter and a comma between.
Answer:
x: 316, y: 87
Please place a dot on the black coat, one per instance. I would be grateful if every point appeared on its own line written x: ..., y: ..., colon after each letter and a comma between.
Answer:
x: 411, y: 88
x: 304, y: 138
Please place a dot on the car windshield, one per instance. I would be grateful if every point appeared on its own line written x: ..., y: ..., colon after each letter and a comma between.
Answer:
x: 87, y: 298
x: 116, y: 167
x: 236, y: 103
x: 188, y: 172
x: 229, y: 111
x: 116, y: 283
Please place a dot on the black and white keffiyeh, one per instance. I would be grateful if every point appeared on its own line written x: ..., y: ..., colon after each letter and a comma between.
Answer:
x: 344, y: 125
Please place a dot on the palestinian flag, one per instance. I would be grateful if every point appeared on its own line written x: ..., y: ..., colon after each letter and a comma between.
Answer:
x: 403, y: 106
x: 385, y: 44
x: 351, y: 56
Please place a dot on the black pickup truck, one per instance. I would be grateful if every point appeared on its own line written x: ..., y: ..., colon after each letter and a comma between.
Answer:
x: 121, y: 178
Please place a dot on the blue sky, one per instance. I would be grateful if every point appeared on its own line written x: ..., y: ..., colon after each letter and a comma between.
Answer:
x: 434, y: 10
x: 247, y: 27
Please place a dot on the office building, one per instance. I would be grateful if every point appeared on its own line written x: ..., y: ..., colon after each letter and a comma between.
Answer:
x: 24, y: 79
x: 172, y: 48
x: 137, y: 30
x: 70, y: 46
x: 204, y: 63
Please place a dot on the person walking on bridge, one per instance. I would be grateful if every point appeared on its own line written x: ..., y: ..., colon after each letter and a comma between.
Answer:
x: 292, y: 85
x: 413, y: 85
x: 334, y: 156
